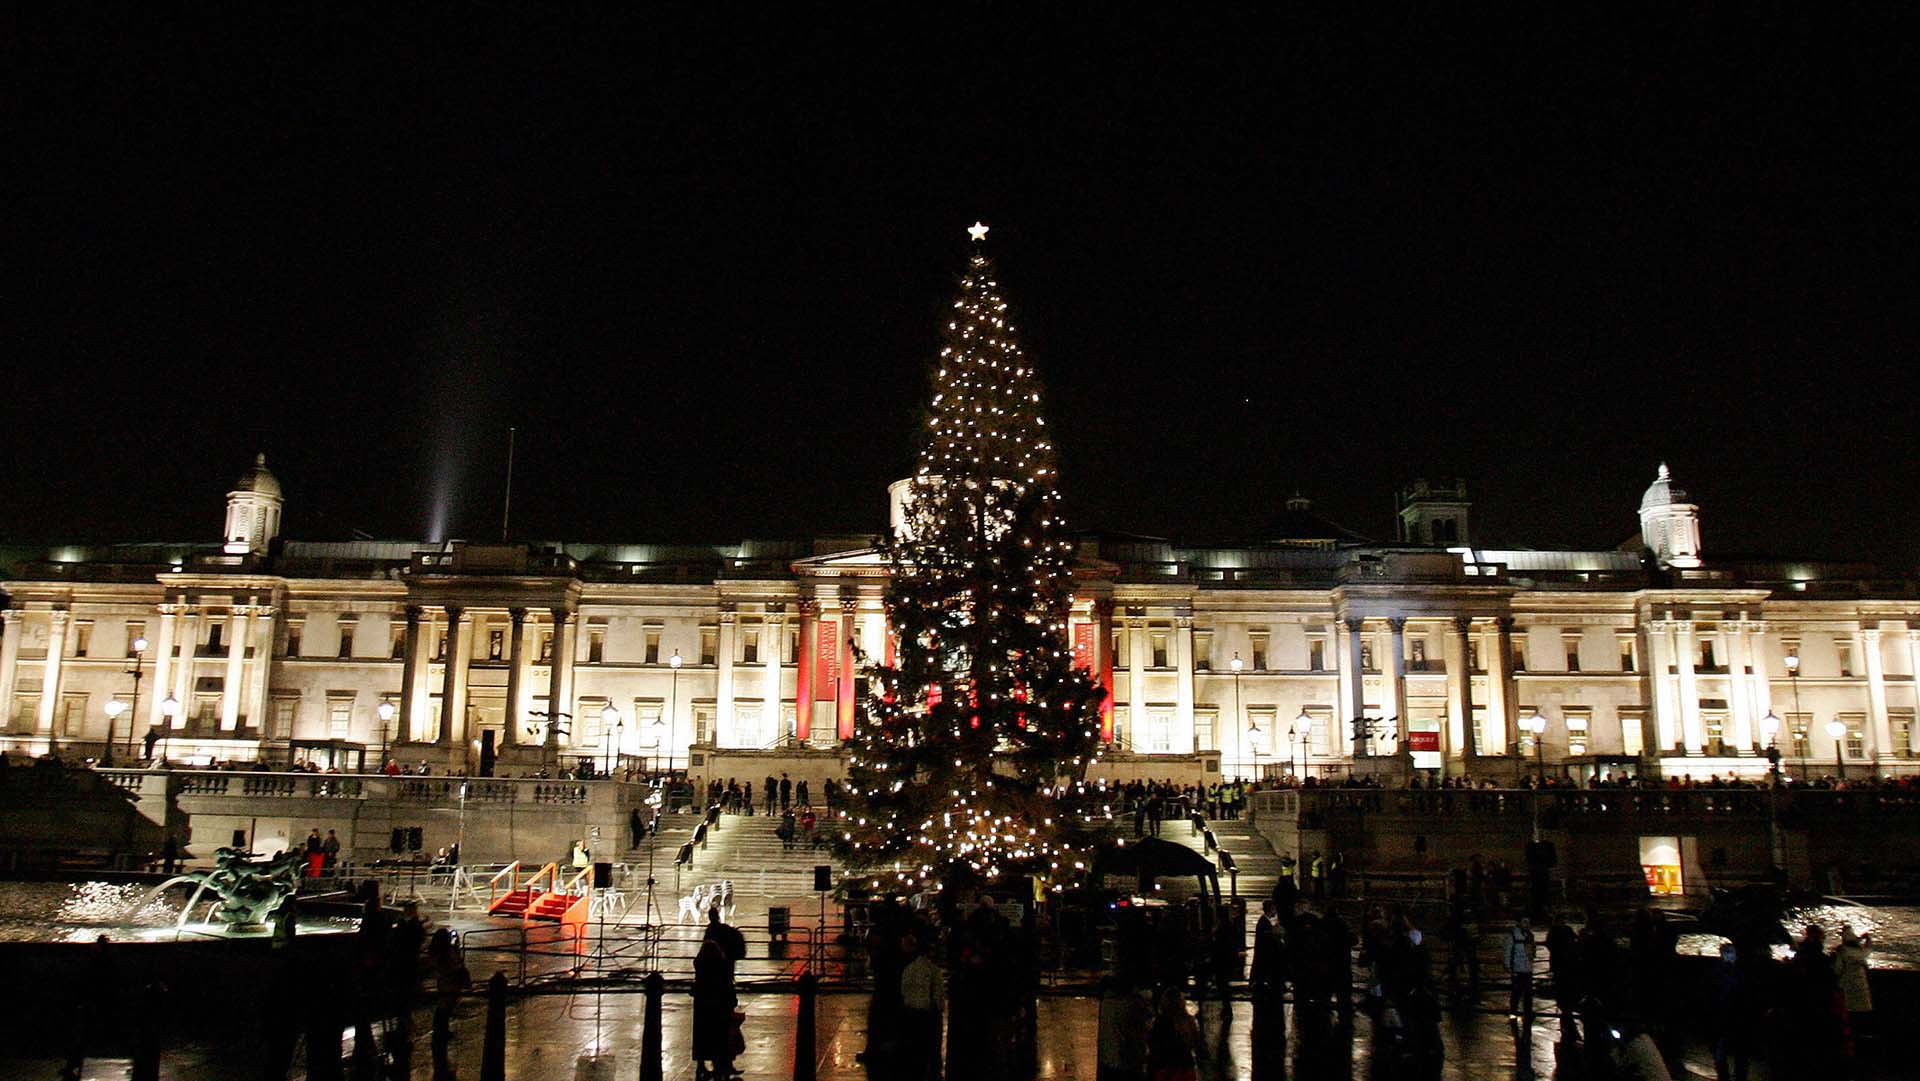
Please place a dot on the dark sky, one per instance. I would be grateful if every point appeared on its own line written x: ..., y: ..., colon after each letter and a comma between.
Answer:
x: 701, y: 267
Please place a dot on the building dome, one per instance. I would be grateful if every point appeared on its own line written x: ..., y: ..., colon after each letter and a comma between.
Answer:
x: 258, y: 478
x: 1662, y: 492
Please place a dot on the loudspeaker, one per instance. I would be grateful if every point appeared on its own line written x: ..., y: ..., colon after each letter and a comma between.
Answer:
x: 398, y: 842
x: 602, y: 876
x: 413, y: 838
x: 822, y: 877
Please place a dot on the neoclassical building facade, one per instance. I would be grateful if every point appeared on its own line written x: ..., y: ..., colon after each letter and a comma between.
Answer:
x: 1305, y: 651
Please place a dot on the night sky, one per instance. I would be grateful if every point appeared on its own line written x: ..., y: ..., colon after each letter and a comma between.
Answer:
x: 701, y: 268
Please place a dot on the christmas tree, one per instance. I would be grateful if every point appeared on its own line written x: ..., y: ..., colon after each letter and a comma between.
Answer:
x: 980, y: 722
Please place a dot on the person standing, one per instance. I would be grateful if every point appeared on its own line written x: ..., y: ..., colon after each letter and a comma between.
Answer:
x: 1850, y: 970
x: 450, y: 979
x: 772, y: 791
x: 1269, y: 975
x: 716, y: 1031
x: 636, y: 829
x: 316, y: 856
x: 1519, y: 962
x: 786, y: 792
x: 922, y: 997
x: 330, y: 852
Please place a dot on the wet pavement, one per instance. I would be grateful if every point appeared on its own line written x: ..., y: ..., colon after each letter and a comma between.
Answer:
x: 585, y: 1037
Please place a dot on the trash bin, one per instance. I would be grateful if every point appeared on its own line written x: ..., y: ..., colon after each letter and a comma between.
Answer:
x: 779, y: 921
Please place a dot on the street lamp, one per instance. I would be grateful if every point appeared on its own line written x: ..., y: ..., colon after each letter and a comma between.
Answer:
x: 1837, y: 728
x: 1792, y: 661
x: 385, y: 712
x: 1770, y: 729
x: 170, y: 711
x: 610, y: 721
x: 1537, y: 724
x: 1253, y: 745
x: 673, y: 710
x: 116, y: 707
x: 1303, y: 725
x: 1236, y: 665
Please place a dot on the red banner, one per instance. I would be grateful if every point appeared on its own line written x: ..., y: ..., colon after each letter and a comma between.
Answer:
x: 827, y: 659
x: 1423, y: 741
x: 1083, y: 646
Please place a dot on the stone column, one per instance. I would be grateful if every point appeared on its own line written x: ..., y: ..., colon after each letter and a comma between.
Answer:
x: 1136, y: 678
x: 1183, y: 690
x: 1666, y: 711
x: 1463, y: 685
x: 184, y: 671
x: 1876, y: 692
x: 162, y: 668
x: 558, y: 665
x: 1759, y: 685
x: 10, y: 662
x: 410, y: 696
x: 1356, y: 685
x: 1505, y: 682
x: 726, y: 725
x: 1397, y: 673
x: 1740, y: 734
x: 803, y: 670
x: 452, y: 683
x: 1913, y: 665
x: 773, y: 633
x: 50, y: 673
x: 516, y: 676
x: 253, y: 706
x: 238, y: 618
x: 1103, y: 642
x: 565, y: 660
x: 849, y: 607
x: 1692, y: 734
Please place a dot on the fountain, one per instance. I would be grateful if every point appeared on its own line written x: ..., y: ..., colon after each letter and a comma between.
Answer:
x: 249, y: 890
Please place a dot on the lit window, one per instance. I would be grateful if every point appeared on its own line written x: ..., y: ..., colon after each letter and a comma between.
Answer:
x: 652, y: 654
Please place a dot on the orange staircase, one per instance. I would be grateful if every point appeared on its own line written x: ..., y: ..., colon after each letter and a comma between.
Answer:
x: 542, y: 896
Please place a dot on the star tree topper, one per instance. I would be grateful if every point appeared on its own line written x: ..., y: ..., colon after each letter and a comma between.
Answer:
x: 977, y: 231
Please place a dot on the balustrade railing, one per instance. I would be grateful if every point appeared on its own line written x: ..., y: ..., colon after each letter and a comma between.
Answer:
x: 406, y: 789
x: 1332, y: 803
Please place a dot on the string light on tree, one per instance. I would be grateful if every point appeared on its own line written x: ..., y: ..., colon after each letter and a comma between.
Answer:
x: 981, y: 729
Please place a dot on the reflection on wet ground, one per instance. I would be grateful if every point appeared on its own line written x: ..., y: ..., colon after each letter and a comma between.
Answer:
x: 549, y: 1035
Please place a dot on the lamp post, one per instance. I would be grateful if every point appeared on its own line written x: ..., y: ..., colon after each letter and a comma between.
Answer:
x: 1253, y: 745
x: 673, y: 710
x: 1537, y: 724
x: 1792, y: 661
x: 1838, y: 728
x: 610, y: 723
x: 1770, y: 728
x: 170, y: 712
x: 1303, y: 726
x: 1236, y: 665
x: 385, y: 712
x: 136, y: 669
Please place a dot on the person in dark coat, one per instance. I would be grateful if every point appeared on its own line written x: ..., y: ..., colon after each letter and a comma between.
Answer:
x: 714, y: 999
x: 636, y: 829
x: 1269, y: 974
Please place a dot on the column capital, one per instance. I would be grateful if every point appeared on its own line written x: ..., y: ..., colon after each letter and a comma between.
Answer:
x: 1871, y: 634
x: 808, y: 607
x: 1397, y: 624
x: 1463, y: 624
x: 1504, y: 624
x: 560, y: 615
x: 59, y: 616
x: 1103, y: 608
x: 1184, y: 622
x: 776, y: 608
x: 518, y: 615
x: 1355, y: 624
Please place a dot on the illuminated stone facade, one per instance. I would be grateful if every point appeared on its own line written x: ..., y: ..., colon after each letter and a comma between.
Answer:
x: 1651, y: 657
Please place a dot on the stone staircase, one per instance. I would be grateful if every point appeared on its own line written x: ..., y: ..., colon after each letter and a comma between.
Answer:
x: 1255, y: 859
x: 745, y: 850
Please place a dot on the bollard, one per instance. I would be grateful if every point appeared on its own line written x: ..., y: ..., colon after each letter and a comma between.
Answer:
x: 493, y: 1049
x: 323, y: 1040
x: 146, y: 1035
x: 804, y: 1055
x: 656, y: 988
